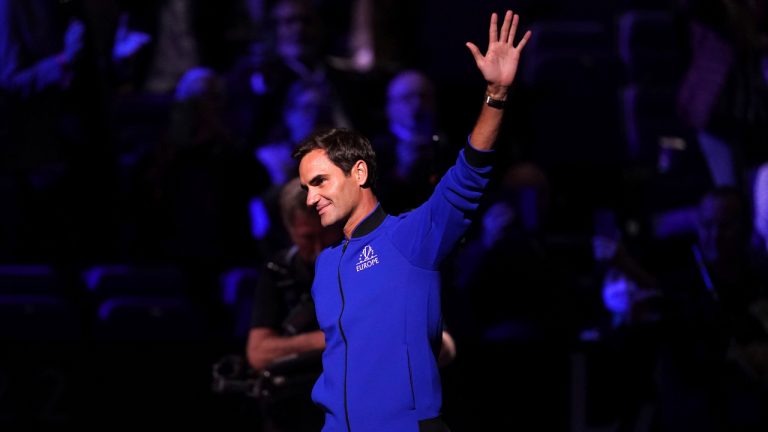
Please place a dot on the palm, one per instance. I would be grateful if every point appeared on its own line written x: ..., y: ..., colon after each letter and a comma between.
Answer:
x: 499, y: 64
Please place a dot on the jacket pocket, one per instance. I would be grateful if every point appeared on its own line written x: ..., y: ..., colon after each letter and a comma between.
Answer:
x: 411, y: 394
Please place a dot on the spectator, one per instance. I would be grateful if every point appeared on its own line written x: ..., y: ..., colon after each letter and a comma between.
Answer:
x: 519, y: 303
x: 296, y: 50
x: 198, y: 183
x: 413, y: 152
x: 710, y: 339
x: 57, y: 161
x: 283, y: 322
x: 724, y: 94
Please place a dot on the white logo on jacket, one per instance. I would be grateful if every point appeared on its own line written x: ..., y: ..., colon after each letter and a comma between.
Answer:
x: 366, y: 259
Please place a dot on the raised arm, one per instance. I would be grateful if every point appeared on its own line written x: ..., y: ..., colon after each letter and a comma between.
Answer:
x: 499, y: 67
x: 24, y: 72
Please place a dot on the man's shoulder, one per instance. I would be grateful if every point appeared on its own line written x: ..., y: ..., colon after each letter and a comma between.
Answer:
x: 330, y: 251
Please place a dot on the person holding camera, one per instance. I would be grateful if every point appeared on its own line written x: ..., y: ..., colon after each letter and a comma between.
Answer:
x: 284, y: 331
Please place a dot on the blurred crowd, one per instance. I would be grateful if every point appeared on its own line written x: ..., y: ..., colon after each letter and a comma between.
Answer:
x: 628, y: 210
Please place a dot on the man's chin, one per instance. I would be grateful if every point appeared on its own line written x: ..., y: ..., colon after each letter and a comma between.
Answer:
x: 326, y: 220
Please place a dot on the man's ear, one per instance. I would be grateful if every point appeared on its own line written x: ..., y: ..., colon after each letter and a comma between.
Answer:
x: 360, y: 171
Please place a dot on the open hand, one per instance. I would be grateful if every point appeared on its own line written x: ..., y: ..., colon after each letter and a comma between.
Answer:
x: 499, y: 64
x: 127, y: 42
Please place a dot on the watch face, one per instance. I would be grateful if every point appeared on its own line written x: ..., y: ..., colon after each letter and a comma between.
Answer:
x: 494, y: 103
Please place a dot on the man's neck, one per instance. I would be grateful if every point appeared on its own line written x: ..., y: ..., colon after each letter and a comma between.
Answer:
x: 366, y: 206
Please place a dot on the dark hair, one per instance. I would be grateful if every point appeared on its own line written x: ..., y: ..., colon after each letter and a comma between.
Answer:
x: 344, y: 148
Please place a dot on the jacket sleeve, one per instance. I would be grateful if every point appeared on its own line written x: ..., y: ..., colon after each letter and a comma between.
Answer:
x: 427, y: 234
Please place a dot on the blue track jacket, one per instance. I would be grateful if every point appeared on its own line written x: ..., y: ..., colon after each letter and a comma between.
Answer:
x: 377, y: 298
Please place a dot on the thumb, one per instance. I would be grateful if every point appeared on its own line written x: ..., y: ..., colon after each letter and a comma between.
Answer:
x: 475, y: 52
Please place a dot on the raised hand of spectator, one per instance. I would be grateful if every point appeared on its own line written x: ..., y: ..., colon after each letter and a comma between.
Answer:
x: 610, y: 250
x: 626, y: 300
x: 73, y: 40
x: 127, y: 42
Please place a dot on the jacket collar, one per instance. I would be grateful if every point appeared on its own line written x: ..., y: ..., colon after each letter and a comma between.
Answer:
x: 370, y: 223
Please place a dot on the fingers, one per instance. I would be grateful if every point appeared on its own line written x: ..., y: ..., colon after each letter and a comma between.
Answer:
x: 475, y: 52
x: 493, y: 34
x: 512, y: 29
x: 524, y: 40
x: 505, y: 27
x: 505, y: 36
x: 508, y: 30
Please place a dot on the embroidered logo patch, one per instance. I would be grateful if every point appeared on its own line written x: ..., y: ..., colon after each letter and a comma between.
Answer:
x: 366, y: 259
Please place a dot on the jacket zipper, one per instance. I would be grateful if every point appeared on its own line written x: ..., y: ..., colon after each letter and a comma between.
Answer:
x: 343, y: 336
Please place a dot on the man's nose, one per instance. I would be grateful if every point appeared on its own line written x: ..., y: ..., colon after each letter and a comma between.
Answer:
x: 311, y: 199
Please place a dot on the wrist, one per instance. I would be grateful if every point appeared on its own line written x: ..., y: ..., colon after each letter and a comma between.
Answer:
x: 316, y: 339
x: 496, y: 91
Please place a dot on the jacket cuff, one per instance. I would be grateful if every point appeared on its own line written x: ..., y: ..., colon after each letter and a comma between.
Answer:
x: 478, y: 158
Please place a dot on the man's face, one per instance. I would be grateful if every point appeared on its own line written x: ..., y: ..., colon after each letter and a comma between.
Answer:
x: 295, y: 30
x: 332, y: 193
x: 411, y: 102
x: 307, y: 113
